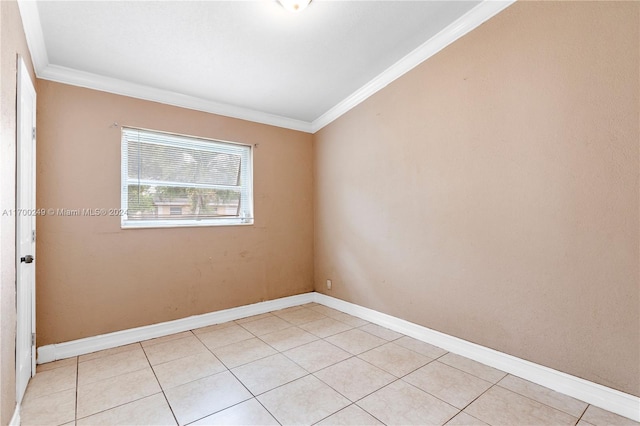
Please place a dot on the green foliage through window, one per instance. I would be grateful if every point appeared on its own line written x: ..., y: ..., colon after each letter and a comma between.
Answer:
x: 175, y: 178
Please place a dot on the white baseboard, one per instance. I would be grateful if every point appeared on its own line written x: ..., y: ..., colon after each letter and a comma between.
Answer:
x: 87, y: 345
x: 15, y: 419
x: 601, y: 396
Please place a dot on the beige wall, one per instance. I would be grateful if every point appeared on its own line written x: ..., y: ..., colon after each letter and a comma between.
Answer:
x: 12, y: 43
x: 94, y: 277
x: 492, y: 192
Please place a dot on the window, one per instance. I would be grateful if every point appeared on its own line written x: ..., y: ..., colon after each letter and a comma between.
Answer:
x: 170, y: 180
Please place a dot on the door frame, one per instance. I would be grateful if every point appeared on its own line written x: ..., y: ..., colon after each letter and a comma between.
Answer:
x: 25, y: 87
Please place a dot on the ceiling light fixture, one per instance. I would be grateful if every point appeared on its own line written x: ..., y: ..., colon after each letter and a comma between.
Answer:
x: 294, y: 5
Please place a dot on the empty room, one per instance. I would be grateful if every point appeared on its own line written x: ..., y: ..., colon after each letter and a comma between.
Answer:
x: 300, y: 212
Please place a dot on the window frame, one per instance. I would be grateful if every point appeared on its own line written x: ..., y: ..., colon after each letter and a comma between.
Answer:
x: 245, y: 151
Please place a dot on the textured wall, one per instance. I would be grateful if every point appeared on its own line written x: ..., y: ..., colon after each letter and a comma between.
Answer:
x: 492, y: 192
x: 94, y: 277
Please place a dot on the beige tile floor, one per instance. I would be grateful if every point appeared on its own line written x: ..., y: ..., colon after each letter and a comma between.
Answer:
x: 303, y: 365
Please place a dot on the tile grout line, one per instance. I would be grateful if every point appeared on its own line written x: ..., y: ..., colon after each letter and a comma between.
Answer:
x: 77, y: 386
x: 107, y: 356
x: 480, y: 378
x: 128, y: 402
x: 344, y: 408
x: 259, y: 338
x: 359, y: 399
x: 120, y: 405
x: 400, y: 377
x: 396, y: 378
x: 493, y: 384
x: 278, y: 352
x: 524, y: 396
x: 262, y: 316
x: 254, y: 336
x: 307, y: 371
x: 219, y: 411
x: 293, y: 347
x: 273, y: 315
x: 410, y: 384
x: 104, y: 356
x: 355, y: 356
x: 298, y: 326
x: 583, y: 413
x: 267, y: 410
x: 475, y: 399
x: 312, y: 372
x: 164, y: 342
x: 227, y: 369
x: 539, y: 402
x: 472, y: 374
x: 224, y: 346
x: 254, y: 396
x: 160, y: 385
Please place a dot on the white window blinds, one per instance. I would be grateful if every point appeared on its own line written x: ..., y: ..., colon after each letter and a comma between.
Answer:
x: 172, y: 180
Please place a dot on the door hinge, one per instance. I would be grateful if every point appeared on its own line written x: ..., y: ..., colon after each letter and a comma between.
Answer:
x: 34, y: 133
x: 33, y: 236
x: 33, y: 339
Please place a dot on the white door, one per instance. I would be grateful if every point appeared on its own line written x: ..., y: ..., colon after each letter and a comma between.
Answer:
x: 25, y: 230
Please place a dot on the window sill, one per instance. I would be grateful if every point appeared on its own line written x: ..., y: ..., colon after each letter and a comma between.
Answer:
x: 184, y: 223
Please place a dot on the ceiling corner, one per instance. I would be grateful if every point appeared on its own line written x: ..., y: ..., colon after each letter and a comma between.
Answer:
x: 452, y: 32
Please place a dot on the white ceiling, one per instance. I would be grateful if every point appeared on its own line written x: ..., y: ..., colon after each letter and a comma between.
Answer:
x: 248, y: 59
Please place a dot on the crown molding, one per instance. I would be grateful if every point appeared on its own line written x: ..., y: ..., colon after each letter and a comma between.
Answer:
x: 44, y: 70
x: 33, y: 33
x: 120, y: 87
x: 452, y: 32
